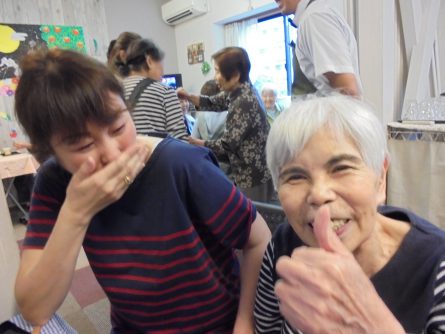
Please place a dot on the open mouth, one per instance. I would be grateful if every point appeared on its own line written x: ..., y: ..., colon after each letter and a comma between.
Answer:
x: 336, y: 224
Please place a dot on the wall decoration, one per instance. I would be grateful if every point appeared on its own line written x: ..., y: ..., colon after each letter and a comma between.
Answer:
x: 195, y: 53
x: 205, y: 67
x: 16, y: 40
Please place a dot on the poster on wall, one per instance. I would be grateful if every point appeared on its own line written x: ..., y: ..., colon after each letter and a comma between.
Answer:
x: 16, y: 40
x: 195, y: 53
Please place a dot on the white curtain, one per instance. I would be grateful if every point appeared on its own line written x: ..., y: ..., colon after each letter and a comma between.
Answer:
x: 237, y: 33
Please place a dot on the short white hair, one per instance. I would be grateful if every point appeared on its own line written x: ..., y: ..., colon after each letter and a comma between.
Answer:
x: 344, y: 115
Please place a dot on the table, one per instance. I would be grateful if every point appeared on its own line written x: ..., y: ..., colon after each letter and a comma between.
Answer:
x: 10, y: 167
x: 416, y: 178
x: 16, y: 165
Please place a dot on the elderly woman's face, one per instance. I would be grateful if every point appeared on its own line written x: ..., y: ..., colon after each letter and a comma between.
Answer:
x: 331, y: 171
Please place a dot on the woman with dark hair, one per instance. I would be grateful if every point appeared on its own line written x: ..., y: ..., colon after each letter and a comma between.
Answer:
x: 156, y: 107
x: 244, y: 141
x: 162, y: 249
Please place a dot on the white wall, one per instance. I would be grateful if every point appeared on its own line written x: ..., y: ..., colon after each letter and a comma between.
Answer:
x: 208, y: 29
x: 383, y: 63
x: 144, y: 18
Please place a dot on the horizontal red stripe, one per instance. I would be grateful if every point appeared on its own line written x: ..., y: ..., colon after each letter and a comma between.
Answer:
x: 165, y: 301
x: 149, y: 265
x: 154, y: 252
x: 37, y: 235
x: 40, y: 208
x: 172, y: 236
x: 181, y: 286
x: 171, y: 310
x: 44, y: 198
x: 169, y: 321
x: 157, y: 280
x: 41, y: 221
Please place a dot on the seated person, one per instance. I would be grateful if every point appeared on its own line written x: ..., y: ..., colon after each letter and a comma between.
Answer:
x: 158, y: 221
x: 189, y: 120
x: 210, y: 125
x: 269, y: 97
x: 345, y: 263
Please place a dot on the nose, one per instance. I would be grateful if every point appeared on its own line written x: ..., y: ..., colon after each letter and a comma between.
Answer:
x: 320, y: 193
x: 109, y: 150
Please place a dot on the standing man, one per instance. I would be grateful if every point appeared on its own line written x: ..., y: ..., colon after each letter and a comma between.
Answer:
x: 326, y: 49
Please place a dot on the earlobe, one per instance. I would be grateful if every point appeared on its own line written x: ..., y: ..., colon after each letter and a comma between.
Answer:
x: 382, y: 181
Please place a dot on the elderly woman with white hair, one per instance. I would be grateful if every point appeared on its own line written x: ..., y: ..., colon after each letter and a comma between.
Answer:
x: 344, y: 262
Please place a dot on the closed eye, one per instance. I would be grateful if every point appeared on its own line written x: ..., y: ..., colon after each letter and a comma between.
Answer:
x: 119, y: 129
x: 340, y: 168
x: 84, y: 147
x: 293, y: 174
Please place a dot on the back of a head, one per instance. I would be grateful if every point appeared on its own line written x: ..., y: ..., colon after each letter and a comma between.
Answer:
x: 210, y: 88
x: 343, y: 115
x: 117, y: 53
x: 137, y: 52
x: 58, y: 92
x: 232, y: 60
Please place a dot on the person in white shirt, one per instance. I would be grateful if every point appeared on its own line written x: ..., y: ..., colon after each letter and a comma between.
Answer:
x: 326, y: 49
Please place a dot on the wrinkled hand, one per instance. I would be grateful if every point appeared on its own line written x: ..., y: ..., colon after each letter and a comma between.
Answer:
x: 196, y: 141
x: 324, y: 290
x: 91, y: 190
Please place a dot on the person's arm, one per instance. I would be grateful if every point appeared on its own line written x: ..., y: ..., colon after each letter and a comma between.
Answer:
x: 324, y: 288
x: 21, y: 145
x: 250, y: 267
x: 346, y: 83
x: 45, y: 275
x: 183, y: 94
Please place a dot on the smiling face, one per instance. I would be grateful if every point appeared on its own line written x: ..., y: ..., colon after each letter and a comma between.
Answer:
x: 223, y: 83
x: 287, y: 7
x: 330, y: 170
x: 103, y: 143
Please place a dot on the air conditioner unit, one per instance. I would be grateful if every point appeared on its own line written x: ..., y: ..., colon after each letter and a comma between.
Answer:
x: 177, y: 11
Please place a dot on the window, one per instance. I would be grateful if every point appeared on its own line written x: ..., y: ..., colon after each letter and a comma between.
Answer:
x: 267, y: 43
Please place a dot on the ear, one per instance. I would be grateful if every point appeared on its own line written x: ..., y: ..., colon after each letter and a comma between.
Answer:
x: 149, y: 61
x: 381, y: 197
x: 236, y: 76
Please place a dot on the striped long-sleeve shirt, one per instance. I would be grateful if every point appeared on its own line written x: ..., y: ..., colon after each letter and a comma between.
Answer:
x: 412, y: 283
x: 163, y: 253
x: 157, y: 109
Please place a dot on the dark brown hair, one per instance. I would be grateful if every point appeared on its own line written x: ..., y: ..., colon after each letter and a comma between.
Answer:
x: 210, y: 88
x: 115, y: 60
x: 139, y: 50
x: 59, y: 91
x: 233, y: 60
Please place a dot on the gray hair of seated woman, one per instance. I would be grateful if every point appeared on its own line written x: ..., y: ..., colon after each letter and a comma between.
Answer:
x: 343, y: 115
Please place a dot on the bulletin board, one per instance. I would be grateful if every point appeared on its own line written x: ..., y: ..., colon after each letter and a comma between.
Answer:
x: 16, y: 40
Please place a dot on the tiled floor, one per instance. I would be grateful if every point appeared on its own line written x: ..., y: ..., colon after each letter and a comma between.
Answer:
x: 85, y: 308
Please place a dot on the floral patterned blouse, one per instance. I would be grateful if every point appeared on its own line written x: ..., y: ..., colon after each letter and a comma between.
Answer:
x: 244, y: 140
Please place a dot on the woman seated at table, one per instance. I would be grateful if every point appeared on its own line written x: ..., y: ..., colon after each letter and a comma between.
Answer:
x: 345, y: 263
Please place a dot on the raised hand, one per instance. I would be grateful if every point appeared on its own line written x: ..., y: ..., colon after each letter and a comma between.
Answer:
x: 324, y: 290
x: 90, y: 190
